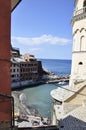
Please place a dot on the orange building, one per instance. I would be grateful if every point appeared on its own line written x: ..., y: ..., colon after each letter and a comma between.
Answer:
x: 5, y: 84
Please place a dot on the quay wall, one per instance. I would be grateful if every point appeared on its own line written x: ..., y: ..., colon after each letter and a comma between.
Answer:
x: 28, y: 83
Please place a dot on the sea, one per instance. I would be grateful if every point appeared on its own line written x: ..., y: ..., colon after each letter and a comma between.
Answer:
x: 39, y: 95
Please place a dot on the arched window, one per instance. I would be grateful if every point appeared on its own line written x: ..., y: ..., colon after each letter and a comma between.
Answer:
x: 84, y: 5
x: 82, y: 44
x: 80, y: 63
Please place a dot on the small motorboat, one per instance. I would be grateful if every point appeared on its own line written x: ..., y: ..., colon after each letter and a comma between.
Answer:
x: 62, y: 83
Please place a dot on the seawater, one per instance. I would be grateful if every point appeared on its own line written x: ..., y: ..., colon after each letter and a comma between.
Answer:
x: 58, y: 67
x: 40, y: 95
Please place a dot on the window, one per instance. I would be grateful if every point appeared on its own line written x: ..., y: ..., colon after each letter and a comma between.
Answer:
x: 82, y: 44
x: 84, y: 4
x: 80, y: 63
x: 13, y: 70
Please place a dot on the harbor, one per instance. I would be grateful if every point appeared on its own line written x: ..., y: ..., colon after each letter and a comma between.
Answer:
x: 37, y: 102
x: 33, y: 106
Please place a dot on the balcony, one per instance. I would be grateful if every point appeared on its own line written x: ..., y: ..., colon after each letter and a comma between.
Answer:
x: 79, y: 14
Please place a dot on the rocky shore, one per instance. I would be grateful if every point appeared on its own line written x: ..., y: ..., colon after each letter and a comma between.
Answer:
x: 50, y: 77
x: 27, y: 115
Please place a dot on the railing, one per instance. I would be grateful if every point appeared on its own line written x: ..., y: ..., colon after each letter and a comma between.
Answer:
x: 80, y: 11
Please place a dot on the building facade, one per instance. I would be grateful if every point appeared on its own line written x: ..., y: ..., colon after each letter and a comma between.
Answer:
x: 69, y: 102
x: 5, y: 14
x: 15, y: 71
x: 25, y: 69
x: 6, y: 109
x: 30, y: 67
x: 78, y: 70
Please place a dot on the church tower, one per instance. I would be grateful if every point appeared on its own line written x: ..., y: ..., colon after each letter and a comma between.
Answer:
x: 78, y: 70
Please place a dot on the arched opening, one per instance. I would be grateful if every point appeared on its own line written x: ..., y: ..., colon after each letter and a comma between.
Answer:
x: 80, y: 68
x: 80, y: 63
x: 84, y: 6
x: 82, y: 43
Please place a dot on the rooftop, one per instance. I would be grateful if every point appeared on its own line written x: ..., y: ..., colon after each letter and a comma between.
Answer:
x: 65, y: 92
x: 17, y: 60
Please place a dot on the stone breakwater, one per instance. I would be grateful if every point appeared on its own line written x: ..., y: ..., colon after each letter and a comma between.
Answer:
x: 49, y: 77
x: 27, y: 115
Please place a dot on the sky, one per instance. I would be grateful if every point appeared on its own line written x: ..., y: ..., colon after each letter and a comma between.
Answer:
x: 43, y: 28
